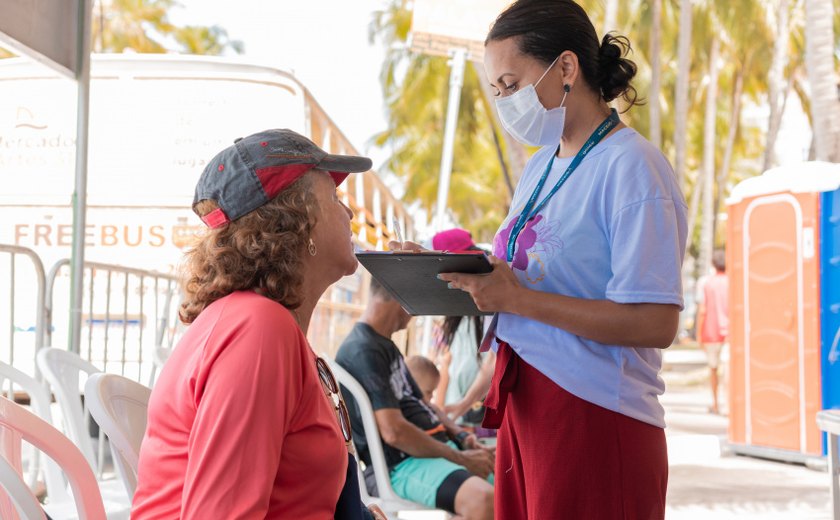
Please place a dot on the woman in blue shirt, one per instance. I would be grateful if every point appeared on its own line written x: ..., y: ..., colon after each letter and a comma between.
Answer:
x: 586, y: 284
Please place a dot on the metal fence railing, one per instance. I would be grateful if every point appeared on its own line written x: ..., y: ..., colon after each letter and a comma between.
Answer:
x: 129, y: 316
x: 23, y: 320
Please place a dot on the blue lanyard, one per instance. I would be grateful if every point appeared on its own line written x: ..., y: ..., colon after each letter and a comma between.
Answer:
x: 529, y: 211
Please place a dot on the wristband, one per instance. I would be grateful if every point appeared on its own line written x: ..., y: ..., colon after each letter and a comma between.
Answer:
x: 460, y: 437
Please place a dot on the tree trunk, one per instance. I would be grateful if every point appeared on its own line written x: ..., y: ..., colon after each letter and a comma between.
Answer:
x: 693, y: 204
x: 681, y: 101
x: 734, y: 122
x: 707, y: 222
x: 776, y: 81
x: 819, y: 60
x: 610, y: 15
x: 517, y: 156
x: 655, y: 36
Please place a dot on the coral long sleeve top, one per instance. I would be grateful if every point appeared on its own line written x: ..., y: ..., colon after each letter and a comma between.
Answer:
x: 239, y: 425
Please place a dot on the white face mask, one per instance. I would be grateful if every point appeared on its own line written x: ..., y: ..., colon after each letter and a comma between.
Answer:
x: 527, y: 120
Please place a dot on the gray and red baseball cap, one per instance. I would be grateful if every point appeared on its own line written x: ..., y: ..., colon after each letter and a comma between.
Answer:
x: 255, y: 169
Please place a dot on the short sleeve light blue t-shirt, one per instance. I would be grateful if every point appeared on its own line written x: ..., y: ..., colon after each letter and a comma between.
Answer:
x: 616, y: 230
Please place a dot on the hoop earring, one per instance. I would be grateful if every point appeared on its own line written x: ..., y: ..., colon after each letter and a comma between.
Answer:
x: 311, y: 247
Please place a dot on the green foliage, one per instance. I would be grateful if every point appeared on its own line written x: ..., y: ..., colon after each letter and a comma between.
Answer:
x: 144, y: 26
x: 416, y: 89
x: 196, y: 39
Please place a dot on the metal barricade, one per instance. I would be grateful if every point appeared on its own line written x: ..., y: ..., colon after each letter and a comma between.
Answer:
x: 29, y: 301
x: 129, y: 317
x: 829, y: 422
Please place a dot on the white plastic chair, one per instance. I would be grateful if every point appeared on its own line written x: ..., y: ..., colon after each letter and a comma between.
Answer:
x: 39, y: 399
x: 159, y: 357
x: 62, y: 370
x: 388, y: 500
x: 18, y: 424
x: 119, y: 406
x: 20, y: 503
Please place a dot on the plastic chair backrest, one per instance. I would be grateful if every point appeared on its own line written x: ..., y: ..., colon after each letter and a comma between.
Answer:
x: 39, y: 398
x: 390, y: 502
x: 159, y: 357
x: 119, y: 405
x: 61, y: 369
x: 21, y: 503
x: 18, y: 424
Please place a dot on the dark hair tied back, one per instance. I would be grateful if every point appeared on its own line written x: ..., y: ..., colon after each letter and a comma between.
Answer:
x: 545, y: 29
x: 615, y: 71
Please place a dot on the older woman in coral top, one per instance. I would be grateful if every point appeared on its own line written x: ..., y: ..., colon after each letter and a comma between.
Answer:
x: 245, y: 420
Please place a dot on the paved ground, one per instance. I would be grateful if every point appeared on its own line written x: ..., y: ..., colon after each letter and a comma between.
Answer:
x: 706, y: 481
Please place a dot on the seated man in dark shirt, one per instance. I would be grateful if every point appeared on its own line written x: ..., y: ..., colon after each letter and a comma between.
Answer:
x: 432, y: 460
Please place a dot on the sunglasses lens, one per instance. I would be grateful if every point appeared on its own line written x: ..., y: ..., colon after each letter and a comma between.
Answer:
x: 326, y: 376
x: 331, y: 387
x: 344, y: 420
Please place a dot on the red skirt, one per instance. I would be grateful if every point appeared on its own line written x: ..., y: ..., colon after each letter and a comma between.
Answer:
x: 560, y: 457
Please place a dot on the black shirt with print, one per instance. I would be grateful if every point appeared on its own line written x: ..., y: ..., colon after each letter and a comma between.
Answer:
x: 378, y: 365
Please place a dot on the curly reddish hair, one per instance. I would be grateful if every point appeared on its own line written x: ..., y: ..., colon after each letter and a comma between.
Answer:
x: 261, y: 251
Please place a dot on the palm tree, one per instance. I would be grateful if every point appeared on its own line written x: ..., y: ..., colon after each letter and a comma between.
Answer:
x: 139, y: 25
x: 746, y: 54
x: 681, y: 96
x: 415, y: 89
x: 819, y: 58
x: 776, y: 80
x: 610, y: 15
x: 655, y: 133
x: 144, y: 26
x: 197, y: 39
x: 706, y: 236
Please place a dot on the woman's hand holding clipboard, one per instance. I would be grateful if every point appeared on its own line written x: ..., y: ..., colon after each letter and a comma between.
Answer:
x: 412, y: 275
x: 491, y: 292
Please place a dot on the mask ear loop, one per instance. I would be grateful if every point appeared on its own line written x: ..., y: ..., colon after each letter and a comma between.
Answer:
x: 546, y: 71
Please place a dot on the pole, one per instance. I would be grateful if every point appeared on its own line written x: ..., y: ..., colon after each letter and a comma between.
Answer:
x: 456, y: 81
x: 77, y: 257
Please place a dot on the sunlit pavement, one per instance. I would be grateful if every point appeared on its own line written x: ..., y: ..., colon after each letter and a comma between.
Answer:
x: 706, y: 481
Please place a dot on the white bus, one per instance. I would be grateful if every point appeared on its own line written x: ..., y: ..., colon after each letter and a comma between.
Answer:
x: 154, y: 122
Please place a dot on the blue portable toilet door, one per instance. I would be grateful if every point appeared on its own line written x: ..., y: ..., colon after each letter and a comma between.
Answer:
x: 830, y: 296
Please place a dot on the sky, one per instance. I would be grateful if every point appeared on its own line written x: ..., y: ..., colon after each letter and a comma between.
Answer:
x: 324, y: 43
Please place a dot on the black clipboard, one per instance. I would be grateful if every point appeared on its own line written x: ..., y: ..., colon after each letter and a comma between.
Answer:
x: 411, y: 278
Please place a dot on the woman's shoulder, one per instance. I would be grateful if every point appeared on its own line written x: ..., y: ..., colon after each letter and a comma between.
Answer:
x: 627, y: 148
x: 249, y: 305
x: 246, y: 313
x: 636, y: 169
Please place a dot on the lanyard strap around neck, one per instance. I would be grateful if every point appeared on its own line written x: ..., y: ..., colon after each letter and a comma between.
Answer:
x: 529, y: 211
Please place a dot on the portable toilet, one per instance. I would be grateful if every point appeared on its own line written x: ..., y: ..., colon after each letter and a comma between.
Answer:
x: 783, y: 262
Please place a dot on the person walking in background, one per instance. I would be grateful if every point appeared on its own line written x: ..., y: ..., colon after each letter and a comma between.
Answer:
x: 713, y: 320
x: 586, y: 281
